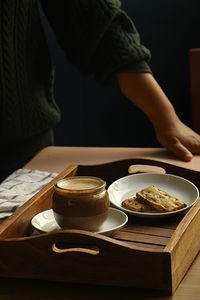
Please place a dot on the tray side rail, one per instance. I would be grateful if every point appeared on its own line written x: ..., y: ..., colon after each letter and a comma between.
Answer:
x: 81, y: 257
x: 114, y: 170
x: 184, y: 244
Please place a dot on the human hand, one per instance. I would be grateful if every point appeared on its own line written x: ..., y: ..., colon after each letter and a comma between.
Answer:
x: 179, y: 139
x: 143, y: 90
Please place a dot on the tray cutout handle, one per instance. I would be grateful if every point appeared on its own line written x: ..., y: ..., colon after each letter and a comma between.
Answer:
x: 58, y: 248
x: 136, y: 169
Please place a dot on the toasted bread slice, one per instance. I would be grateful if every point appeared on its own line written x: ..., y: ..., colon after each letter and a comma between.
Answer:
x: 136, y: 205
x: 159, y: 199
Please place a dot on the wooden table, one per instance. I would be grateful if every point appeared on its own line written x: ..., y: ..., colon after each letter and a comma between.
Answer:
x: 56, y: 159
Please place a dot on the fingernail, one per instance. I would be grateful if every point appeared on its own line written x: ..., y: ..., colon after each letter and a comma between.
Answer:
x: 188, y: 157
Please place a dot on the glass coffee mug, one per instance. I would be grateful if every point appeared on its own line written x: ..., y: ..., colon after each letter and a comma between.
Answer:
x: 80, y: 202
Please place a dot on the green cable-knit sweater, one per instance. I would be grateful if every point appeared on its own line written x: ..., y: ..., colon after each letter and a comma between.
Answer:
x: 27, y: 106
x: 97, y: 37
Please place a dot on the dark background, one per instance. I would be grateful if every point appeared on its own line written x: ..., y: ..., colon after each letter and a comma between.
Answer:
x: 94, y: 115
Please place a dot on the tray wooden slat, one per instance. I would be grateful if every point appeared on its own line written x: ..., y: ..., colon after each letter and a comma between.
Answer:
x: 146, y: 246
x: 165, y: 232
x: 142, y: 238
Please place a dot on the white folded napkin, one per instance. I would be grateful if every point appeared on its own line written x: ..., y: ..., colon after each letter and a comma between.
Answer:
x: 20, y: 186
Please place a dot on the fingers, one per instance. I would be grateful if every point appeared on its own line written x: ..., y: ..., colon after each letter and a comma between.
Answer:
x: 181, y: 140
x: 176, y: 147
x: 193, y: 143
x: 181, y: 151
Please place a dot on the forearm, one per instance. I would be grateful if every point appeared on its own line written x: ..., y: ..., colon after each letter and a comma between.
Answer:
x: 143, y: 90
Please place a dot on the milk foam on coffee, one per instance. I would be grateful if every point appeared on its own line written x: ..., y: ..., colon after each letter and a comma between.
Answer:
x: 78, y: 184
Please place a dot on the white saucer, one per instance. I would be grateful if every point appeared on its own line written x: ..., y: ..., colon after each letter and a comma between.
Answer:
x: 45, y: 222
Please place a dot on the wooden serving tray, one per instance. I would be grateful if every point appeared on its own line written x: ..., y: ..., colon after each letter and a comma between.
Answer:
x: 145, y: 253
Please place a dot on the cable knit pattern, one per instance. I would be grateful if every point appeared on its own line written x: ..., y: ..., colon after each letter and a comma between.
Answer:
x: 97, y: 37
x: 27, y: 106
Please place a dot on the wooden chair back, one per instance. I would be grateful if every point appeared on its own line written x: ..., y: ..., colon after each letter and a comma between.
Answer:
x: 194, y: 64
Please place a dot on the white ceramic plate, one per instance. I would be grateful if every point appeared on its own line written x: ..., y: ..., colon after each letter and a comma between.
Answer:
x: 127, y: 186
x: 45, y: 222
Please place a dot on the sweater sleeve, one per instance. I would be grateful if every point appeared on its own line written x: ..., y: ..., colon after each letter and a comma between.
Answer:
x: 98, y: 37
